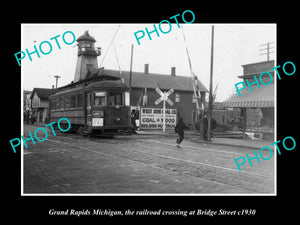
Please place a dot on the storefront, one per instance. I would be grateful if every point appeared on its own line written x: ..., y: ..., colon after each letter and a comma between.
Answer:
x: 256, y: 106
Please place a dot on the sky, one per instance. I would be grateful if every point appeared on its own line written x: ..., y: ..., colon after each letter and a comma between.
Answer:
x: 234, y: 46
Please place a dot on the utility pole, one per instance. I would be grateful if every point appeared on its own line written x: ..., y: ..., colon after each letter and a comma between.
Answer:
x: 130, y: 73
x: 56, y: 77
x: 268, y: 50
x: 210, y: 86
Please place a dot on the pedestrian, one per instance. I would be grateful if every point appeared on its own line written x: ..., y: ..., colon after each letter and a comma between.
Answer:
x: 133, y: 123
x: 179, y: 129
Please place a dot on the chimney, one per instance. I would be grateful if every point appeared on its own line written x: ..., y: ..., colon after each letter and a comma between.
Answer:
x: 146, y: 71
x: 173, y: 73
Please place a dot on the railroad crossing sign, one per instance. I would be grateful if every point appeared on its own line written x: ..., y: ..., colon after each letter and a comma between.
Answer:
x: 164, y: 98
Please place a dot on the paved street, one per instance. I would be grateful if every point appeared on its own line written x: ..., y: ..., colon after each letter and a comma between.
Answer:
x: 139, y: 164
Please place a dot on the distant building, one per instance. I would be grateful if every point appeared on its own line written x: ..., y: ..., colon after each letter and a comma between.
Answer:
x: 257, y: 107
x: 40, y: 103
x: 26, y: 100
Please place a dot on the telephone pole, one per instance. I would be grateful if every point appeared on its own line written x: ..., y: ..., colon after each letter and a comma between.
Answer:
x: 267, y: 49
x: 130, y: 73
x: 210, y: 86
x: 56, y: 77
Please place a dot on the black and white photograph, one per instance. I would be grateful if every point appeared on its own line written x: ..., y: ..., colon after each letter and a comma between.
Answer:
x: 144, y: 109
x: 139, y: 115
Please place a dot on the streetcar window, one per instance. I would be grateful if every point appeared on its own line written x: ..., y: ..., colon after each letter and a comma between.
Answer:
x: 73, y: 101
x: 127, y: 99
x: 99, y: 98
x: 80, y: 100
x: 57, y: 103
x: 115, y: 98
x: 61, y: 102
x: 52, y: 104
x: 67, y: 102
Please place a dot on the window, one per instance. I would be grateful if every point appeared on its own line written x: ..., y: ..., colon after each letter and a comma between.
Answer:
x: 127, y: 99
x: 115, y: 98
x: 80, y: 100
x: 194, y: 99
x: 73, y: 101
x: 67, y: 102
x: 194, y: 116
x: 61, y: 102
x: 52, y: 104
x: 35, y: 102
x: 177, y: 97
x: 57, y: 103
x: 99, y: 99
x: 88, y: 45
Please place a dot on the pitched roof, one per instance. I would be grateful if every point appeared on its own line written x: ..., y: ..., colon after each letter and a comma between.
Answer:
x: 259, y: 97
x: 43, y: 93
x: 153, y: 80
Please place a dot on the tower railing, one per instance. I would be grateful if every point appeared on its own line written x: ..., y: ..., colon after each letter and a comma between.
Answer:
x: 89, y: 51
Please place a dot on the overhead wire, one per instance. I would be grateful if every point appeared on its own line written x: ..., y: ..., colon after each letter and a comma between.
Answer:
x: 109, y: 45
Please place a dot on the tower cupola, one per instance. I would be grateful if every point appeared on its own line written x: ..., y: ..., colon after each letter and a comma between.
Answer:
x: 87, y: 55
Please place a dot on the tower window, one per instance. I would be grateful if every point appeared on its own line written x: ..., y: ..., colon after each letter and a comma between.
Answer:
x: 177, y: 97
x: 86, y: 45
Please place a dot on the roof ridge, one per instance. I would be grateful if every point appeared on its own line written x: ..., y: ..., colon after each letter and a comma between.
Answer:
x: 162, y: 74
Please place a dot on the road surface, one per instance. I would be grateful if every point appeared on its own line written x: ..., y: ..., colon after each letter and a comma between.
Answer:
x: 139, y: 164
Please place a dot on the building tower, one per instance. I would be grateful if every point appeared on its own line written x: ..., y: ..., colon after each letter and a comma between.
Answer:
x: 87, y: 56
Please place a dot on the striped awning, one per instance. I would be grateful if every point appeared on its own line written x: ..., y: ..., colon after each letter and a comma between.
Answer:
x: 259, y: 97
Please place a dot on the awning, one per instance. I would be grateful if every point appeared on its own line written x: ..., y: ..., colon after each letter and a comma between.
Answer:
x: 259, y: 97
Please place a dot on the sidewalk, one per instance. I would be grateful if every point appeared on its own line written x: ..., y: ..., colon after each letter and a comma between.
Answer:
x: 243, y: 143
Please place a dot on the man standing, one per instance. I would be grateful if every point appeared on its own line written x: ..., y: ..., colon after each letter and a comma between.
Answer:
x: 179, y: 129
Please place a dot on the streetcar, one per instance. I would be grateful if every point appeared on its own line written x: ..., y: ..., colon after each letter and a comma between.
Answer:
x: 97, y: 106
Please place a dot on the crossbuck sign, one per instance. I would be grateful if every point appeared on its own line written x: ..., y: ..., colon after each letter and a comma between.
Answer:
x: 164, y: 97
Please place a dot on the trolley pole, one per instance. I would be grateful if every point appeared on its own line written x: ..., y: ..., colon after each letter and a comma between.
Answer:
x: 210, y: 86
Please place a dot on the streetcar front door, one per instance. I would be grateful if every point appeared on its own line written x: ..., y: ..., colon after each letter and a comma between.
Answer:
x: 88, y: 114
